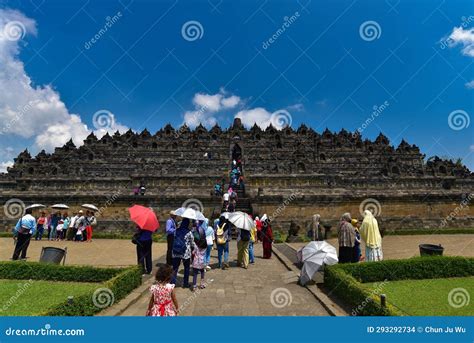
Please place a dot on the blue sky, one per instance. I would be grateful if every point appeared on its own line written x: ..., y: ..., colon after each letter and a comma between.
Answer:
x: 310, y: 60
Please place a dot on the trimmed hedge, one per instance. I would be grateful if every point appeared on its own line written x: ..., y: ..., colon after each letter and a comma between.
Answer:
x: 414, y: 268
x: 119, y: 286
x: 344, y: 280
x: 44, y: 271
x: 118, y: 282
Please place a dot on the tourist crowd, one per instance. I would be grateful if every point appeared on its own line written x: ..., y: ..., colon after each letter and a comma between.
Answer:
x: 56, y: 226
x: 350, y: 235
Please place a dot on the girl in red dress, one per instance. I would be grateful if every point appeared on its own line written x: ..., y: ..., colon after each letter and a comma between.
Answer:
x: 163, y: 298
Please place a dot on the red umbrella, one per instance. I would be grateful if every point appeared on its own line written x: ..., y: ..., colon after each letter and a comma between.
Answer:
x: 144, y: 217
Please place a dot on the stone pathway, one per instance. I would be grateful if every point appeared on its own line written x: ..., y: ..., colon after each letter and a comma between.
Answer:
x: 266, y: 288
x: 100, y: 252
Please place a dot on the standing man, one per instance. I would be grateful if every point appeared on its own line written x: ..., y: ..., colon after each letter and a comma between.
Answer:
x: 23, y: 231
x: 170, y: 231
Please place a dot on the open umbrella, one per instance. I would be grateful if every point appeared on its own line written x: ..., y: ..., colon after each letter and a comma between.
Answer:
x: 90, y: 207
x: 35, y: 206
x: 190, y: 213
x: 241, y: 220
x: 313, y: 256
x: 60, y: 207
x: 144, y: 217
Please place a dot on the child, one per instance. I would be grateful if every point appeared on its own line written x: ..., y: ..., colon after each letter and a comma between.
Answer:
x: 163, y: 298
x: 59, y: 230
x: 78, y: 237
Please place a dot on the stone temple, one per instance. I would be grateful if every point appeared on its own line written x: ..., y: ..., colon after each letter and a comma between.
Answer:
x: 290, y: 174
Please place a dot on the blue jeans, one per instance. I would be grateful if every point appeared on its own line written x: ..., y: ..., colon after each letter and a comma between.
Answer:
x: 39, y: 232
x: 223, y: 248
x: 251, y: 255
x: 207, y: 259
x: 186, y: 264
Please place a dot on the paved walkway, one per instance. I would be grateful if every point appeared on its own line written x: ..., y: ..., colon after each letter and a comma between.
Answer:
x: 396, y: 247
x: 99, y: 252
x: 265, y: 289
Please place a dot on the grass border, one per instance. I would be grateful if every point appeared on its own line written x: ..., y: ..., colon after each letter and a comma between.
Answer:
x: 116, y: 283
x: 344, y: 280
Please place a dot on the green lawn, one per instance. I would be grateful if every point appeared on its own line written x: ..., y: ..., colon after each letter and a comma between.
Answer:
x: 429, y: 297
x: 27, y: 298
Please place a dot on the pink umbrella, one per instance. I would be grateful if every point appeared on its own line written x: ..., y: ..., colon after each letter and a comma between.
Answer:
x: 144, y: 217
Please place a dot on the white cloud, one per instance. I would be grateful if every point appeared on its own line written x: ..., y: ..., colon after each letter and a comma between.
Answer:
x: 5, y: 165
x: 207, y: 105
x: 231, y: 101
x: 258, y: 115
x: 465, y: 38
x: 28, y: 110
x: 471, y: 148
x: 470, y: 84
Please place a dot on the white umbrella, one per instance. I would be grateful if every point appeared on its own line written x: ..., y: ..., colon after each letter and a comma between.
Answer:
x: 190, y: 213
x: 241, y: 220
x: 313, y: 256
x: 60, y: 207
x: 35, y: 206
x: 90, y: 207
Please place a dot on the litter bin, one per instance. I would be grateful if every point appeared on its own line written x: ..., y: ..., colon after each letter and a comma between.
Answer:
x: 53, y: 255
x: 431, y: 249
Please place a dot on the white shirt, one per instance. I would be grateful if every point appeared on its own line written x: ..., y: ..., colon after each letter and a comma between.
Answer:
x: 226, y: 196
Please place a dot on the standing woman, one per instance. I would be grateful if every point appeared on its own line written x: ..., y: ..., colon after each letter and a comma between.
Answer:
x: 183, y: 244
x: 40, y: 224
x: 209, y: 240
x: 267, y: 238
x: 370, y: 233
x: 346, y: 238
x: 91, y: 223
x: 144, y: 242
x: 258, y: 226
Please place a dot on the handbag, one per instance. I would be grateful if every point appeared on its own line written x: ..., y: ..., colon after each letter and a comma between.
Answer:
x: 23, y: 230
x: 135, y: 238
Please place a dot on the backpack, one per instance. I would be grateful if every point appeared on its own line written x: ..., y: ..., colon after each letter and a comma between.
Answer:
x: 244, y: 235
x: 220, y: 234
x: 200, y: 238
x: 179, y: 243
